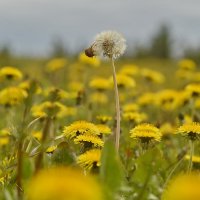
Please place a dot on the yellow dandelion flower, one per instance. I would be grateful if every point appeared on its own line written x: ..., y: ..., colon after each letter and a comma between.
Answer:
x: 195, y: 159
x: 183, y: 187
x: 135, y: 117
x: 89, y: 138
x: 55, y: 109
x: 51, y: 149
x: 130, y: 107
x: 56, y: 93
x: 12, y: 96
x: 146, y: 133
x: 26, y: 85
x: 99, y: 97
x: 56, y: 64
x: 75, y: 86
x: 4, y: 136
x: 167, y: 129
x: 94, y: 61
x: 103, y: 129
x: 187, y: 64
x: 146, y: 99
x: 90, y: 159
x: 10, y: 73
x: 129, y: 70
x: 104, y: 118
x: 37, y: 135
x: 100, y: 84
x: 167, y: 99
x: 63, y: 184
x: 193, y: 89
x: 124, y: 81
x: 152, y: 76
x: 80, y: 128
x: 197, y: 103
x: 190, y: 130
x: 185, y: 74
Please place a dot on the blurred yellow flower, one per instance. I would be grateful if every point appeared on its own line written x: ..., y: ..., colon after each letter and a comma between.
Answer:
x: 98, y: 97
x: 51, y: 149
x: 129, y: 70
x: 12, y: 96
x: 134, y: 117
x: 90, y: 159
x: 100, y: 84
x: 193, y: 89
x: 10, y: 73
x: 152, y: 76
x: 183, y: 187
x: 37, y: 135
x: 187, y: 64
x: 146, y: 99
x: 104, y: 118
x: 94, y: 61
x: 56, y: 64
x: 124, y: 81
x: 130, y: 107
x: 195, y: 159
x: 63, y: 184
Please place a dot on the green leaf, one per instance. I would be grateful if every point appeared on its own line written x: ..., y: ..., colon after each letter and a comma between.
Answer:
x: 111, y: 172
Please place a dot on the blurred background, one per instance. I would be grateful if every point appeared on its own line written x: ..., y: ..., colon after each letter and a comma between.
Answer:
x: 57, y: 27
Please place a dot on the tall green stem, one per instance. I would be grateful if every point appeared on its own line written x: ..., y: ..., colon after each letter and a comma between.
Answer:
x: 117, y: 108
x: 191, y: 155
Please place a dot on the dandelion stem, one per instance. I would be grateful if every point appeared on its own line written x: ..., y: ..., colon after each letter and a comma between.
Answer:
x: 44, y: 136
x: 191, y: 155
x: 172, y: 171
x: 117, y: 108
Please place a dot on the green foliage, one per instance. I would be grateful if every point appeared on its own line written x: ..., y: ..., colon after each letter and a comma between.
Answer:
x: 111, y: 172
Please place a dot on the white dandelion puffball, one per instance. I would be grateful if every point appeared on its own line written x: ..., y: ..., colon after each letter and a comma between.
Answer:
x: 110, y: 44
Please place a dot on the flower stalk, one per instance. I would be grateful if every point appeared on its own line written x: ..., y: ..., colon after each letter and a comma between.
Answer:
x: 117, y: 108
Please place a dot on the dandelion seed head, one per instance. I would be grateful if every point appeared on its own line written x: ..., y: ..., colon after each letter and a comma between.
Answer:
x: 110, y: 44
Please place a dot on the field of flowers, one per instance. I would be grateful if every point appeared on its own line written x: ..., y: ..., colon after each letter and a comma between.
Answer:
x: 58, y: 129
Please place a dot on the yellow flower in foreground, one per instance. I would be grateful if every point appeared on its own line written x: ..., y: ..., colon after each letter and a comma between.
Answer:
x: 187, y: 64
x: 183, y: 187
x: 94, y: 61
x: 37, y: 135
x: 56, y: 64
x: 80, y: 128
x: 12, y: 96
x: 90, y: 159
x: 10, y: 73
x: 146, y: 133
x: 63, y: 184
x: 89, y: 138
x: 190, y: 130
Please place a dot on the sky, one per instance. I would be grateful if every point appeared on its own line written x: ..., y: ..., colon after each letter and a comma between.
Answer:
x: 30, y: 26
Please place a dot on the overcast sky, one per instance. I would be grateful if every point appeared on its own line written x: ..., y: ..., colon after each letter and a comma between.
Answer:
x: 30, y: 25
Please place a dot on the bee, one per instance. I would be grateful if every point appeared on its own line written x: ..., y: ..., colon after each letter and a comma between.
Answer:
x: 89, y: 52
